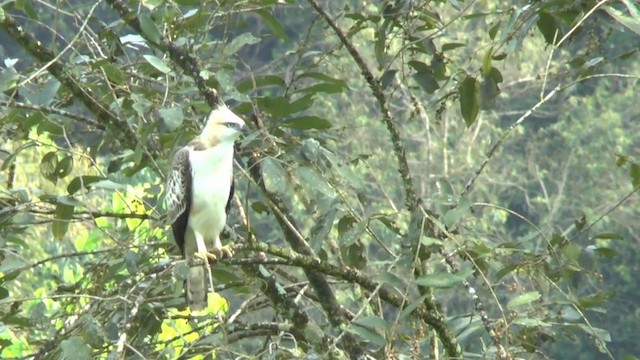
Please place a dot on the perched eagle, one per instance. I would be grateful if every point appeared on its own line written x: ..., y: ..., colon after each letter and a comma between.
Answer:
x: 198, y: 195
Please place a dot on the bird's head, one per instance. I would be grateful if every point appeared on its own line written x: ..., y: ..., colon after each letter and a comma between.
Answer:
x: 223, y: 126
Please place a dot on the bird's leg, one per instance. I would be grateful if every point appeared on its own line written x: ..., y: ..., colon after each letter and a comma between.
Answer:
x: 202, y: 252
x: 219, y: 251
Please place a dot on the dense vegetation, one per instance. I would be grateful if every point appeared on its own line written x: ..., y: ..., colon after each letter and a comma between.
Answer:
x: 424, y: 179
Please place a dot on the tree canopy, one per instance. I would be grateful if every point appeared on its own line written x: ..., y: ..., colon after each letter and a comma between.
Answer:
x: 422, y: 179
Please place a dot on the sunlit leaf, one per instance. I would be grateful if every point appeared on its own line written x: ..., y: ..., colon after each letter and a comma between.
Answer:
x: 523, y: 299
x: 443, y: 280
x: 609, y: 236
x: 157, y: 64
x: 469, y: 103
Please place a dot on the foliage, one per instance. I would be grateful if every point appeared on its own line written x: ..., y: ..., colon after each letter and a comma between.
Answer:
x: 424, y: 178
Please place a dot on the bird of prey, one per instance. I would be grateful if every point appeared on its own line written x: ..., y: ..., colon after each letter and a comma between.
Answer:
x: 198, y: 195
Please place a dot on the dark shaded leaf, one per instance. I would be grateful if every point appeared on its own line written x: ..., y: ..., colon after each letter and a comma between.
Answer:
x: 387, y: 78
x: 488, y: 93
x: 260, y: 81
x: 307, y: 122
x: 48, y: 166
x: 113, y: 73
x: 279, y: 106
x: 82, y: 181
x: 355, y: 255
x: 64, y: 167
x: 451, y: 46
x: 62, y: 216
x: 274, y: 25
x: 548, y: 26
x: 427, y: 81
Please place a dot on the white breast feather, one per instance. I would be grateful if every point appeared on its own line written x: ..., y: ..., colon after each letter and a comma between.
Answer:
x: 212, y: 171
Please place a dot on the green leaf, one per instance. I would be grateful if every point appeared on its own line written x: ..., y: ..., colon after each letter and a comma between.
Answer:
x: 239, y: 41
x: 631, y: 23
x: 548, y: 26
x: 367, y: 334
x: 48, y: 166
x: 493, y: 30
x: 469, y: 100
x: 609, y: 236
x: 486, y: 62
x: 411, y: 307
x: 274, y: 25
x: 172, y: 117
x: 453, y: 216
x: 8, y: 79
x: 64, y: 167
x: 278, y: 106
x: 451, y: 46
x: 443, y: 280
x: 4, y: 293
x: 354, y: 255
x: 387, y: 78
x: 113, y: 73
x: 372, y: 321
x: 82, y: 181
x: 328, y: 88
x: 427, y: 81
x: 149, y: 29
x: 634, y: 171
x: 488, y: 93
x: 62, y: 215
x: 523, y: 299
x: 157, y: 64
x: 274, y: 176
x: 307, y: 122
x: 74, y: 348
x: 47, y: 93
x: 260, y: 81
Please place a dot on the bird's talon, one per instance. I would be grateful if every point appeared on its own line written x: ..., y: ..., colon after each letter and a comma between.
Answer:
x: 222, y: 253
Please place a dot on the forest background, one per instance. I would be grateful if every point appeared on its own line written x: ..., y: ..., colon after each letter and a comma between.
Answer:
x: 423, y: 179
